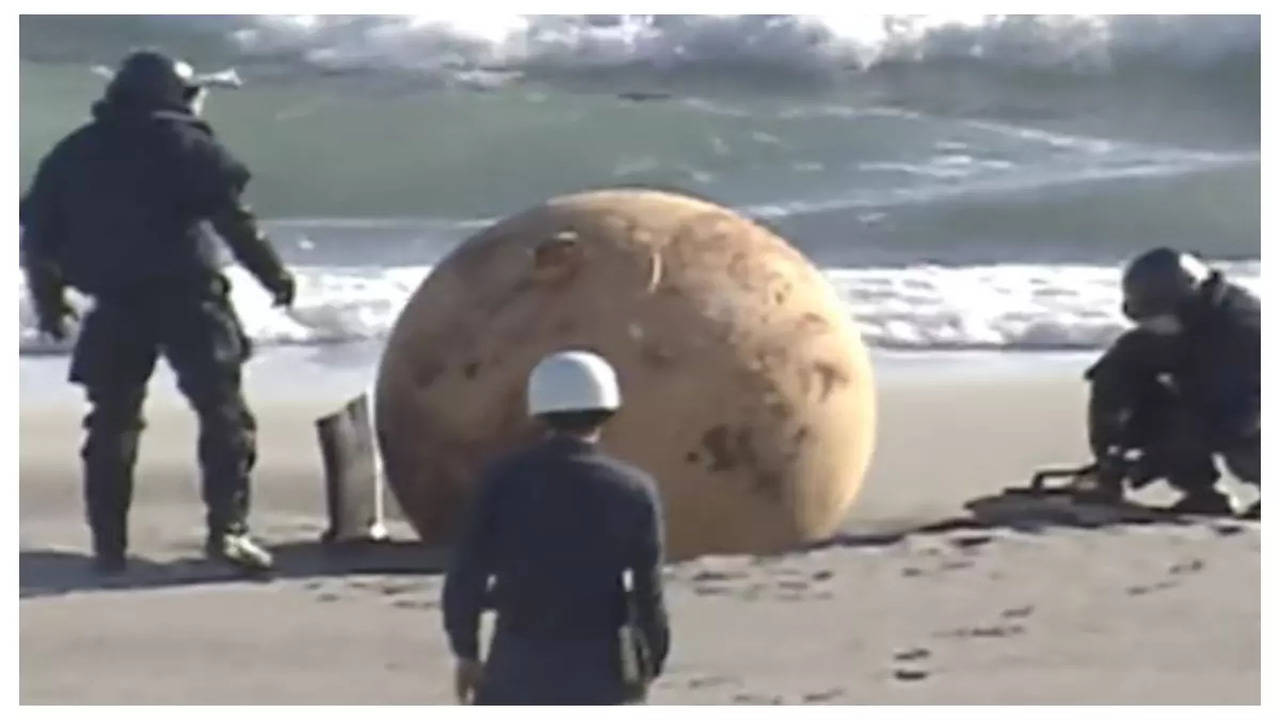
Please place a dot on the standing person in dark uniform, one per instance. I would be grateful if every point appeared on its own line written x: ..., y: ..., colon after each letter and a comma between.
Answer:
x: 117, y: 210
x: 556, y: 527
x: 1182, y: 387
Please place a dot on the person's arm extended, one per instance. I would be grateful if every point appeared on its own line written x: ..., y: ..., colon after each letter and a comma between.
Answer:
x: 38, y: 251
x: 467, y: 581
x: 646, y: 572
x: 215, y: 185
x: 236, y: 223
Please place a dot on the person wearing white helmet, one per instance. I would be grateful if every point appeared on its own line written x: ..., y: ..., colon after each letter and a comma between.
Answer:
x: 559, y: 528
x: 1183, y: 386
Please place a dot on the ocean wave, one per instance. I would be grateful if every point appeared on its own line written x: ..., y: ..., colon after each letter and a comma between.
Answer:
x: 922, y: 307
x: 465, y: 42
x: 486, y: 50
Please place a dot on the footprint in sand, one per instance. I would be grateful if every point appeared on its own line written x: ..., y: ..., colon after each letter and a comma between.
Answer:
x: 400, y: 589
x: 716, y: 576
x: 1018, y: 612
x: 710, y: 590
x: 970, y: 541
x: 1194, y: 565
x: 711, y: 681
x: 996, y: 631
x: 823, y: 695
x: 910, y: 675
x: 912, y: 654
x: 415, y: 604
x: 988, y: 631
x: 912, y: 572
x: 1146, y: 589
x: 752, y: 699
x: 327, y: 597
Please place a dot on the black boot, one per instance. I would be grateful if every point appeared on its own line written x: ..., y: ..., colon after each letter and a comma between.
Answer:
x: 1204, y: 502
x: 108, y: 489
x: 239, y: 550
x: 109, y: 564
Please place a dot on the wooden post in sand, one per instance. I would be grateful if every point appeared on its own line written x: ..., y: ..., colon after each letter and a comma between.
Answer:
x: 352, y: 486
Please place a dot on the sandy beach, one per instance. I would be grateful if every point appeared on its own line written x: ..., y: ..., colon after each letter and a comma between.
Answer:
x: 888, y: 613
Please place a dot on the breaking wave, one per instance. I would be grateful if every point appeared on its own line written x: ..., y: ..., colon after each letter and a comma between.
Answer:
x: 1013, y: 306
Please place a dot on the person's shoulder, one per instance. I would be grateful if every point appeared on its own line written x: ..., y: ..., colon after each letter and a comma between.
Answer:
x: 197, y: 142
x: 72, y: 143
x: 631, y: 477
x: 1240, y: 297
x: 512, y: 462
x: 1233, y: 302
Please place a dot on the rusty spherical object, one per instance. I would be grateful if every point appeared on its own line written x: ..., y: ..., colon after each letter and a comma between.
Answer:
x: 747, y: 392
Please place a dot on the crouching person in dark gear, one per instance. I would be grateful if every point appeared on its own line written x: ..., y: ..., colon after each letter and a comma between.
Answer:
x: 556, y: 528
x: 1182, y: 387
x: 118, y: 210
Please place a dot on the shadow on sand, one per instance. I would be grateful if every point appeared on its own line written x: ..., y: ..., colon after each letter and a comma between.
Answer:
x: 55, y: 572
x: 1031, y: 514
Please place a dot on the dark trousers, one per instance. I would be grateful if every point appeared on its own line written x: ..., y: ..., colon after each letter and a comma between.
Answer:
x: 197, y: 331
x: 1135, y: 403
x: 578, y: 670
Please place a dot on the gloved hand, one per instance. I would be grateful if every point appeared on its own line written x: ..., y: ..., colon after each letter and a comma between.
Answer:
x: 466, y: 680
x: 46, y: 288
x: 52, y: 320
x: 283, y: 290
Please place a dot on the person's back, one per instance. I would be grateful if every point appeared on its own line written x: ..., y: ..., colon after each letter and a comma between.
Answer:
x: 1220, y: 360
x: 132, y: 190
x: 567, y: 522
x: 556, y: 527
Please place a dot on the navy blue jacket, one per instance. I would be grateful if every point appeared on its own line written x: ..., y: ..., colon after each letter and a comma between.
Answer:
x: 554, y: 527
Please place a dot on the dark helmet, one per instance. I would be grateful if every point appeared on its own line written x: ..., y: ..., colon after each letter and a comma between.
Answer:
x: 1160, y: 281
x: 149, y: 77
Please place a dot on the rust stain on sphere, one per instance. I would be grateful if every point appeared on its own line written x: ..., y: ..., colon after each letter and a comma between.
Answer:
x: 747, y: 392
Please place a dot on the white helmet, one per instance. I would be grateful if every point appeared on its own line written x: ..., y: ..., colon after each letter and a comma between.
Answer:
x: 571, y: 382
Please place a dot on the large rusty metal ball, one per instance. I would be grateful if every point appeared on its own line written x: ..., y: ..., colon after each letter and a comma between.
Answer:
x: 747, y: 392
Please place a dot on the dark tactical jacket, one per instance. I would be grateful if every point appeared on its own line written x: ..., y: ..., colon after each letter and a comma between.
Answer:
x: 119, y: 205
x: 1215, y: 364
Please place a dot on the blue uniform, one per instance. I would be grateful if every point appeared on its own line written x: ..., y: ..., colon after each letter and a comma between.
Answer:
x: 554, y: 527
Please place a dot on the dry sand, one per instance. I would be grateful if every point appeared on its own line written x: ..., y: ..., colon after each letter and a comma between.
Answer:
x: 1123, y: 614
